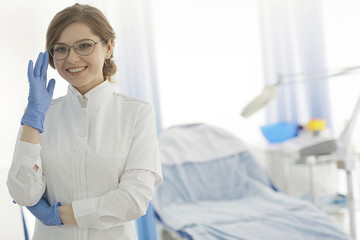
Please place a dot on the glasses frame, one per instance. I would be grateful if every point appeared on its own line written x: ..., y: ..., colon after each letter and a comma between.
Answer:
x: 74, y: 46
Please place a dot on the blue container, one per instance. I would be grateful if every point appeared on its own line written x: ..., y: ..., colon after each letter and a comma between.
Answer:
x: 279, y: 132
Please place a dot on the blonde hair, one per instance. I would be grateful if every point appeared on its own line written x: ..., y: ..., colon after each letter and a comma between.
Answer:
x: 90, y: 16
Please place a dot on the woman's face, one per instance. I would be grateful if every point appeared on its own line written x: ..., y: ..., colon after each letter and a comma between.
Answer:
x: 82, y: 72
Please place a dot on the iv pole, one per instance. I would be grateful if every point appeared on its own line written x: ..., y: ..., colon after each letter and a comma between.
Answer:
x: 343, y: 152
x: 346, y: 158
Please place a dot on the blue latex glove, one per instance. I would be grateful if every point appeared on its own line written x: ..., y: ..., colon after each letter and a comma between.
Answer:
x: 39, y: 95
x: 47, y: 214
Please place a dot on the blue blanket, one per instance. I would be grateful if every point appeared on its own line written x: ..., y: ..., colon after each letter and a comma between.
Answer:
x: 230, y: 197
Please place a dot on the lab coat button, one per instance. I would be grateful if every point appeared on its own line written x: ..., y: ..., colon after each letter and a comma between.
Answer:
x: 77, y: 150
x: 81, y: 135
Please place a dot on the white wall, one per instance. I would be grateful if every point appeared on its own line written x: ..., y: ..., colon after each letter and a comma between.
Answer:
x: 209, y: 62
x: 23, y: 27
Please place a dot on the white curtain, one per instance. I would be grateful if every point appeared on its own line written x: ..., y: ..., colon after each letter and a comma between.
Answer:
x: 293, y: 43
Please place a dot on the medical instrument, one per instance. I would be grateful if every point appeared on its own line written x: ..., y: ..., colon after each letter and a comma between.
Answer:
x: 269, y: 92
x: 343, y: 152
x: 47, y: 214
x: 308, y: 144
x: 39, y: 95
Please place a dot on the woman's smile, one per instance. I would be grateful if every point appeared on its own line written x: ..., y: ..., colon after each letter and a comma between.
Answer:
x: 75, y: 71
x: 84, y: 72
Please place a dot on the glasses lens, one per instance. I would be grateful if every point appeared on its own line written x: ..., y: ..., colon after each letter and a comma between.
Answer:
x: 85, y: 47
x: 59, y: 51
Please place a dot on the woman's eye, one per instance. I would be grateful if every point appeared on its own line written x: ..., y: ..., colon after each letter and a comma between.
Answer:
x: 60, y: 49
x: 83, y: 46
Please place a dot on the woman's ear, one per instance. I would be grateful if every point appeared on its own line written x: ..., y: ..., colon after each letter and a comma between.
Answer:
x: 110, y: 47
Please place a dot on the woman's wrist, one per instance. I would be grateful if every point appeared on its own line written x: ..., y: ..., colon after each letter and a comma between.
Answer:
x: 30, y: 134
x: 66, y: 214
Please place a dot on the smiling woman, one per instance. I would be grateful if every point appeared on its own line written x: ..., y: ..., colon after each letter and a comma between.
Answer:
x: 72, y: 166
x: 75, y: 26
x: 81, y: 67
x: 215, y: 28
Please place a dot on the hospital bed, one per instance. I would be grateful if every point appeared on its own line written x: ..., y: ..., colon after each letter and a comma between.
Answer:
x: 214, y: 189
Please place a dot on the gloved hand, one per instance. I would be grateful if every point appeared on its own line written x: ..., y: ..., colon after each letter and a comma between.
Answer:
x: 39, y: 95
x: 47, y: 214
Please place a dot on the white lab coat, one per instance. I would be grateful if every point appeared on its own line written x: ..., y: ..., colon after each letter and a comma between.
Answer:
x: 99, y: 153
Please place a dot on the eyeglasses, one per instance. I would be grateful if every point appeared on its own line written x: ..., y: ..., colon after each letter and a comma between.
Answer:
x: 83, y: 47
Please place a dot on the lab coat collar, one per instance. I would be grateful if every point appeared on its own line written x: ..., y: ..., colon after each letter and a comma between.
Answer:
x: 95, y: 96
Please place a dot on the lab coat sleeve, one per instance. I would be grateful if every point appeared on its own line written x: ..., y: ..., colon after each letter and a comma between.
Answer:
x: 128, y: 202
x: 144, y: 150
x: 26, y: 186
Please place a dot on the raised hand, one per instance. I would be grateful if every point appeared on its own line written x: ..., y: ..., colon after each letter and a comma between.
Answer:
x: 40, y: 95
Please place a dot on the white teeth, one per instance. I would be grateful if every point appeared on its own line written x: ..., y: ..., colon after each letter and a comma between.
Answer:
x: 73, y: 70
